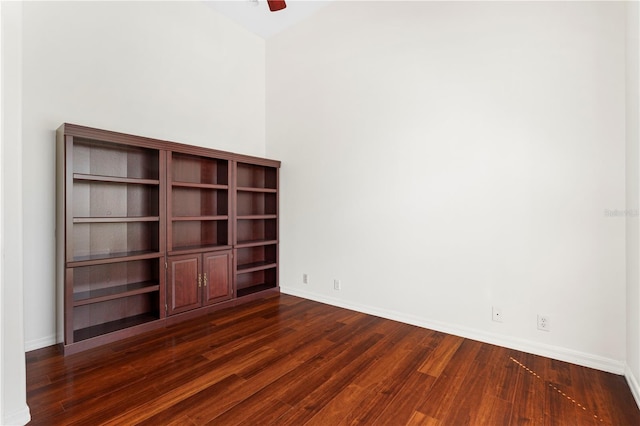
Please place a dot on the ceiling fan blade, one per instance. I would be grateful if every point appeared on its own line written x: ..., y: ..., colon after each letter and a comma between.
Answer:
x: 275, y: 5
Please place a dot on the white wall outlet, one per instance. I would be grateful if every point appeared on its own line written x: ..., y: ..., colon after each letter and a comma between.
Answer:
x: 496, y: 314
x: 544, y: 323
x: 337, y: 285
x: 305, y: 278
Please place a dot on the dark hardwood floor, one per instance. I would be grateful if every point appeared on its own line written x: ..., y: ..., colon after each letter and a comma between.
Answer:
x: 290, y: 361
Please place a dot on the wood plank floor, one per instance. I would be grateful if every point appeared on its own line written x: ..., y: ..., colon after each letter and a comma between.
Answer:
x: 290, y: 361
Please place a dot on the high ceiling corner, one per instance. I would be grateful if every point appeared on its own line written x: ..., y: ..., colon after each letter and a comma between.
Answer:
x: 255, y: 16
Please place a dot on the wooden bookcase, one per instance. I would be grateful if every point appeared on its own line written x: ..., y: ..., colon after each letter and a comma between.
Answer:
x: 151, y: 232
x: 256, y: 242
x: 114, y: 236
x: 198, y: 203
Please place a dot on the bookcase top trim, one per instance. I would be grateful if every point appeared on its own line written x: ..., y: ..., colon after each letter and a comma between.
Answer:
x: 141, y: 141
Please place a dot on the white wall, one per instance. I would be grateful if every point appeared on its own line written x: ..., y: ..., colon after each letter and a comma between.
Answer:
x: 444, y: 158
x: 14, y: 409
x: 169, y: 70
x: 633, y: 199
x: 438, y: 158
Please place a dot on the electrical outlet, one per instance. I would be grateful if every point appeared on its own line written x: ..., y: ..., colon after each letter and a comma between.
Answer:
x: 305, y: 279
x: 336, y: 285
x: 544, y: 323
x: 496, y: 314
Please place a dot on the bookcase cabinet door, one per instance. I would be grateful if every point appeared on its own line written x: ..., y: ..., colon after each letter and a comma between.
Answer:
x: 198, y: 280
x: 217, y: 277
x: 185, y: 283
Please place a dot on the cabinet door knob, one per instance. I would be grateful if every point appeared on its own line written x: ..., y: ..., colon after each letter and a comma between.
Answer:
x: 205, y: 279
x: 200, y: 280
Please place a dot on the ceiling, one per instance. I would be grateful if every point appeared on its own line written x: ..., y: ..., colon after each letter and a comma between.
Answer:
x: 256, y: 17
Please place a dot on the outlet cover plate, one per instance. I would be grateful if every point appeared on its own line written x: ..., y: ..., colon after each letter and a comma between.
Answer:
x: 496, y: 314
x: 544, y: 322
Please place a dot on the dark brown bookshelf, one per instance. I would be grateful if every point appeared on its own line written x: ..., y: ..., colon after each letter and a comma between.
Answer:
x: 110, y: 206
x: 256, y: 177
x: 117, y: 292
x: 256, y: 228
x: 99, y: 159
x: 113, y: 326
x: 111, y: 219
x: 113, y: 258
x: 109, y: 239
x: 198, y: 203
x: 199, y: 218
x: 154, y: 232
x: 255, y: 243
x: 248, y: 230
x: 255, y: 266
x: 257, y: 281
x: 114, y: 179
x: 258, y: 254
x: 120, y: 310
x: 257, y: 203
x: 204, y: 233
x: 253, y: 189
x: 257, y: 216
x: 198, y: 249
x: 190, y: 201
x: 199, y: 170
x: 198, y: 185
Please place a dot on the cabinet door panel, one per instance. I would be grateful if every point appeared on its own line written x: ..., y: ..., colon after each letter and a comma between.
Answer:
x: 184, y: 291
x: 217, y: 270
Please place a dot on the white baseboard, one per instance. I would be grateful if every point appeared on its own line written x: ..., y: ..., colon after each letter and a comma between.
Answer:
x: 633, y: 383
x: 20, y: 417
x: 549, y: 351
x: 42, y: 342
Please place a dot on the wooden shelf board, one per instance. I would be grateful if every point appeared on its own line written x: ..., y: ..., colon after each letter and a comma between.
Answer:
x: 116, y: 292
x: 255, y: 266
x: 198, y: 218
x: 199, y: 185
x: 109, y: 327
x: 257, y: 216
x: 254, y: 289
x: 252, y: 189
x: 113, y: 258
x: 255, y: 243
x: 115, y: 219
x: 197, y: 249
x: 100, y: 178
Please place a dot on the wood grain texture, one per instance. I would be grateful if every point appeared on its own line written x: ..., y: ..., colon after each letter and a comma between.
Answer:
x: 289, y: 361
